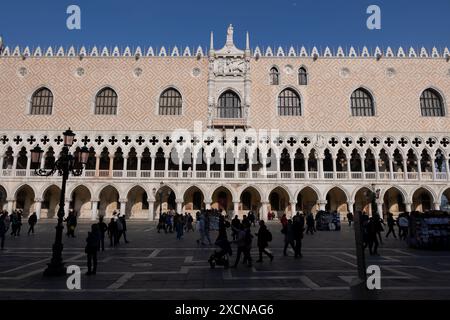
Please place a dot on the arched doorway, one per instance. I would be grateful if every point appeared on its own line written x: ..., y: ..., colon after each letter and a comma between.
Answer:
x: 307, y: 201
x: 137, y: 203
x: 445, y: 200
x: 3, y: 197
x: 109, y: 201
x: 363, y: 201
x: 165, y: 200
x: 393, y: 201
x: 250, y: 200
x: 50, y: 203
x: 81, y: 202
x: 279, y: 202
x: 337, y: 201
x: 222, y: 199
x: 25, y: 199
x: 193, y: 200
x: 422, y: 200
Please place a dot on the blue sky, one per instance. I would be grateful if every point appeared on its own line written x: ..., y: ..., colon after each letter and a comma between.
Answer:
x: 185, y: 22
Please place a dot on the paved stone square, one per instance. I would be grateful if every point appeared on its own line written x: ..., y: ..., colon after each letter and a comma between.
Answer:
x: 157, y: 266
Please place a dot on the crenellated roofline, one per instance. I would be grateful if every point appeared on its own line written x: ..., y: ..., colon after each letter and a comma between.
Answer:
x: 199, y: 52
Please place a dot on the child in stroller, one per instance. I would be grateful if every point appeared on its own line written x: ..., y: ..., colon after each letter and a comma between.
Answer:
x: 221, y: 258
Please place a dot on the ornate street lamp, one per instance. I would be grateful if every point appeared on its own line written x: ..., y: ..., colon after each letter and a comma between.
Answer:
x: 65, y: 165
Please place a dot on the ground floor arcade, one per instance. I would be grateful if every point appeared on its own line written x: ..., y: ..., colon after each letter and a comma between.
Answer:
x: 146, y: 201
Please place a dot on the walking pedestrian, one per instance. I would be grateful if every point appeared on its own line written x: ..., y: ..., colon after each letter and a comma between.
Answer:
x: 350, y: 218
x: 235, y: 227
x: 122, y: 219
x: 403, y: 224
x: 391, y: 224
x: 3, y: 229
x: 112, y: 232
x: 103, y: 228
x: 264, y: 237
x: 372, y: 238
x: 298, y: 228
x: 92, y: 242
x: 14, y: 223
x: 241, y: 244
x: 201, y: 229
x: 71, y: 221
x: 288, y: 237
x: 32, y: 220
x: 310, y: 223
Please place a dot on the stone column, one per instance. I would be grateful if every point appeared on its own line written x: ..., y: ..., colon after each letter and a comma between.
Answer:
x: 37, y: 207
x: 208, y: 166
x: 433, y: 168
x: 123, y: 205
x: 278, y: 159
x: 306, y: 168
x: 349, y: 169
x: 166, y: 166
x: 97, y: 165
x: 264, y: 164
x: 151, y: 210
x: 1, y: 164
x: 292, y: 166
x: 180, y: 166
x: 292, y: 212
x: 28, y: 166
x: 152, y: 165
x: 334, y: 167
x: 405, y: 168
x: 380, y: 208
x: 222, y: 167
x: 179, y: 206
x: 250, y: 166
x: 42, y: 164
x: 111, y: 165
x: 363, y: 168
x: 125, y: 163
x: 377, y: 168
x: 419, y: 169
x: 391, y: 168
x: 236, y: 207
x: 15, y: 157
x: 350, y: 206
x: 437, y: 206
x: 322, y: 204
x: 94, y: 210
x: 446, y: 167
x: 320, y: 167
x: 194, y: 166
x: 264, y: 211
x: 236, y: 167
x: 207, y: 205
x: 408, y: 206
x: 10, y: 205
x: 67, y: 206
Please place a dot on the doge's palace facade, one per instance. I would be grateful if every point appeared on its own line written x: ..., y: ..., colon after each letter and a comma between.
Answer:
x: 259, y: 129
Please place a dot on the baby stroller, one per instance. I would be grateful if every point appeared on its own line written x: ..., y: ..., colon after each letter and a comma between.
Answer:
x: 220, y: 258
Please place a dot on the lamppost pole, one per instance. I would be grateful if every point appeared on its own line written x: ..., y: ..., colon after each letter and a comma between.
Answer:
x: 65, y: 165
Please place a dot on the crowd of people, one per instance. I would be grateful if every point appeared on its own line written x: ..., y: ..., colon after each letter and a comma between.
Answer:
x: 205, y: 221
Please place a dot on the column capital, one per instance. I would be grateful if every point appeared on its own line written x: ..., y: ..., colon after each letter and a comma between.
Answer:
x: 10, y: 199
x: 322, y: 201
x: 38, y: 200
x: 95, y: 200
x: 123, y: 200
x: 350, y: 203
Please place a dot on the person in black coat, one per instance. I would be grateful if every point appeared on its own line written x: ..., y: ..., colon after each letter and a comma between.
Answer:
x: 92, y: 242
x: 112, y: 232
x: 103, y: 228
x: 124, y: 226
x: 235, y: 227
x: 298, y: 227
x: 391, y: 224
x: 264, y: 237
x: 32, y: 220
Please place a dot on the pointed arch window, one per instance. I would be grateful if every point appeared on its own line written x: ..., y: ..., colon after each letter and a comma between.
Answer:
x: 289, y: 103
x: 229, y: 105
x: 274, y: 77
x: 106, y: 102
x: 170, y: 103
x: 42, y: 102
x: 362, y: 103
x: 431, y: 104
x: 302, y: 76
